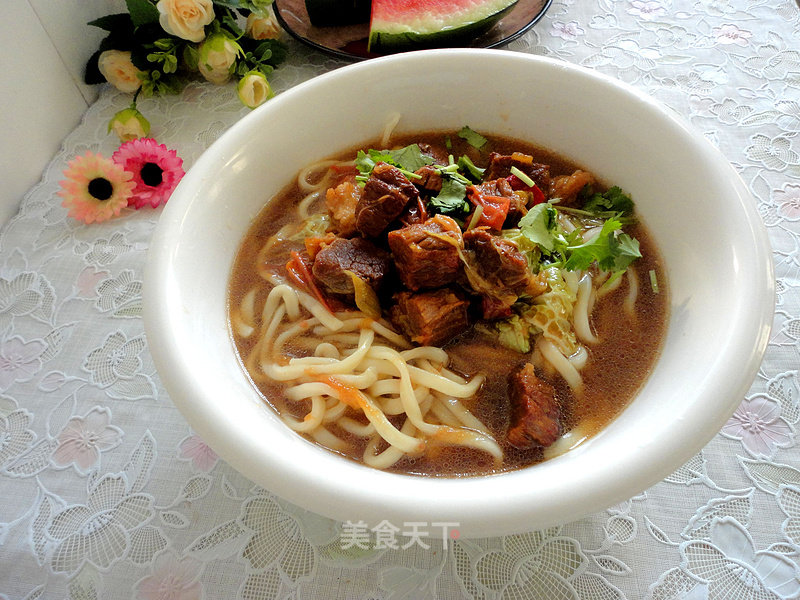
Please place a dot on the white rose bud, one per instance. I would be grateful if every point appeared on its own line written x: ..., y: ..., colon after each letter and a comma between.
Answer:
x: 262, y: 28
x: 119, y: 71
x: 129, y: 124
x: 217, y: 58
x: 186, y: 18
x: 254, y: 89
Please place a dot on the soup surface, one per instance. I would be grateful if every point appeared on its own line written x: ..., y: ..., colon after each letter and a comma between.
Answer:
x: 454, y: 306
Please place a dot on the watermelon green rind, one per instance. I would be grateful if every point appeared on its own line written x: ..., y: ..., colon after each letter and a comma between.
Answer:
x: 398, y: 25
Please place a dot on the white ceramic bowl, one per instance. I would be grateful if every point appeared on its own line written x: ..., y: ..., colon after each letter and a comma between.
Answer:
x: 703, y: 218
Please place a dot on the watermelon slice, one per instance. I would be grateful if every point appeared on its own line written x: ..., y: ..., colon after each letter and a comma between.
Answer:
x: 397, y: 25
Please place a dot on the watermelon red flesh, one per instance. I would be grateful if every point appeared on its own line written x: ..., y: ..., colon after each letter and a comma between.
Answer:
x: 405, y: 24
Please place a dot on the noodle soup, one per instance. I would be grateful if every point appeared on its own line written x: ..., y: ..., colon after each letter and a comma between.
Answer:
x: 455, y: 305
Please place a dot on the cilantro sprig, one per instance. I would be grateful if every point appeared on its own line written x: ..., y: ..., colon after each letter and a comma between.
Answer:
x: 472, y: 137
x: 611, y: 249
x: 407, y: 159
x: 612, y: 201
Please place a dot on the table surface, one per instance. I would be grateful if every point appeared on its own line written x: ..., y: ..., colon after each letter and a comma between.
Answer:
x: 146, y: 510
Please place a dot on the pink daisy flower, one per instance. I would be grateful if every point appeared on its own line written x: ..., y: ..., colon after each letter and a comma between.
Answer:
x: 156, y: 170
x: 95, y: 189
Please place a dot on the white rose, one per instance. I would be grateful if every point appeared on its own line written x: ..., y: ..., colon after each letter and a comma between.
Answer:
x: 186, y: 18
x: 254, y: 89
x: 119, y: 71
x: 217, y: 58
x: 262, y: 28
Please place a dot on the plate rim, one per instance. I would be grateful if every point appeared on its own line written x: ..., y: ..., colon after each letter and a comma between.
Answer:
x: 339, y: 53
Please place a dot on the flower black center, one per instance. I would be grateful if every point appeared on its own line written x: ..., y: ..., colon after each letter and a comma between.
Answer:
x: 101, y: 188
x: 152, y: 174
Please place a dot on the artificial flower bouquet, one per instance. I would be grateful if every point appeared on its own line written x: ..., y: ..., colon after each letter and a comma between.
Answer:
x: 157, y: 46
x: 154, y: 49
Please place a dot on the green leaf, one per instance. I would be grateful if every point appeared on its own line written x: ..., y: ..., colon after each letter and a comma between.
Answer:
x: 191, y: 56
x: 230, y: 22
x: 451, y: 198
x: 473, y: 138
x: 259, y: 7
x: 164, y: 44
x: 627, y: 251
x: 264, y: 51
x: 538, y: 226
x: 466, y: 166
x: 611, y: 251
x: 92, y: 74
x: 614, y: 201
x: 142, y: 12
x: 408, y: 159
x: 112, y: 22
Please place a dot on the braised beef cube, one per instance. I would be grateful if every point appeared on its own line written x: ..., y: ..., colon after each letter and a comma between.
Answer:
x: 535, y: 410
x: 496, y: 187
x: 360, y: 256
x: 414, y: 213
x: 500, y: 167
x: 430, y: 318
x: 386, y: 193
x: 430, y: 179
x: 497, y: 259
x: 426, y: 255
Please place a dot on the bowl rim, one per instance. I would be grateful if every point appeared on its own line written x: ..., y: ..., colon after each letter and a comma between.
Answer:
x: 468, y: 495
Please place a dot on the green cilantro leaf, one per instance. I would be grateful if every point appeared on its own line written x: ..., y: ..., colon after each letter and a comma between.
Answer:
x: 614, y: 201
x: 451, y: 199
x: 473, y: 138
x: 466, y: 166
x: 539, y: 226
x: 612, y: 251
x: 409, y: 158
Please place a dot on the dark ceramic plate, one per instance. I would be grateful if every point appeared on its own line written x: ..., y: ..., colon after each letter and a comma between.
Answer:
x: 350, y: 41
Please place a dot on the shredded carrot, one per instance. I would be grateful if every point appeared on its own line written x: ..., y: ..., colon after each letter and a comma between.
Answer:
x: 352, y: 396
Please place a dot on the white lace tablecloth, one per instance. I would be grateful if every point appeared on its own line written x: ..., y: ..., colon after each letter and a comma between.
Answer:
x: 143, y: 509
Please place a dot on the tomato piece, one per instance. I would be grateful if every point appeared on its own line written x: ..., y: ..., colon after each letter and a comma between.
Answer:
x: 495, y: 208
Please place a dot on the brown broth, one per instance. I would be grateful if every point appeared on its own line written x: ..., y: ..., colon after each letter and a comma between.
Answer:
x: 617, y: 368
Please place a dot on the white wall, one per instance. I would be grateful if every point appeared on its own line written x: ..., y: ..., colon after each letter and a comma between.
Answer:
x: 44, y: 45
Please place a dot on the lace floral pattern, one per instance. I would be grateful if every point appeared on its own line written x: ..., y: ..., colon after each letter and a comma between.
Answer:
x: 108, y: 494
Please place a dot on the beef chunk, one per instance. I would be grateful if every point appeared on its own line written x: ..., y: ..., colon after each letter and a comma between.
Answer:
x: 430, y: 179
x: 358, y: 255
x: 430, y: 318
x: 500, y: 166
x: 385, y: 195
x: 426, y: 255
x: 414, y: 213
x: 534, y: 410
x: 497, y: 260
